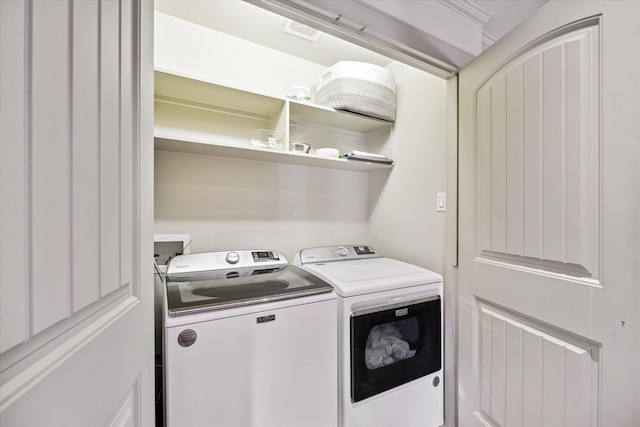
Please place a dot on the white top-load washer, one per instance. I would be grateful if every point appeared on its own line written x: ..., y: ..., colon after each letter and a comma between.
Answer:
x: 249, y: 340
x: 389, y: 336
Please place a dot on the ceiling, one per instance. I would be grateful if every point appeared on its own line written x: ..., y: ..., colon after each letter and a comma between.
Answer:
x: 243, y: 20
x: 419, y: 27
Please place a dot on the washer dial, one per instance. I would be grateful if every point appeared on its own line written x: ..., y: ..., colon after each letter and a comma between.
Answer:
x: 232, y: 258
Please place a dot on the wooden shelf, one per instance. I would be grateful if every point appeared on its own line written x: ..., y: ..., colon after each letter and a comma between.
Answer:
x: 173, y: 86
x: 209, y: 148
x: 328, y: 117
x: 200, y: 117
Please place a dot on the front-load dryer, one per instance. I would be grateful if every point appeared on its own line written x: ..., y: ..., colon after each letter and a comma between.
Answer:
x: 389, y: 336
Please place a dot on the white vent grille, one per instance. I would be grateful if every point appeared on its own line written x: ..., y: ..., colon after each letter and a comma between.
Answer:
x: 301, y: 30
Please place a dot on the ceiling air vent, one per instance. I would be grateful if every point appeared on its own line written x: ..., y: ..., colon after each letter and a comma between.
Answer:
x: 301, y: 30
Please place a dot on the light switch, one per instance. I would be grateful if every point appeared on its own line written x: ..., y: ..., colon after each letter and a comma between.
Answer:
x: 441, y: 202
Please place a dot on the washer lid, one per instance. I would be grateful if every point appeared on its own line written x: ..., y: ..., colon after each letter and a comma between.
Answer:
x: 362, y: 276
x: 240, y: 287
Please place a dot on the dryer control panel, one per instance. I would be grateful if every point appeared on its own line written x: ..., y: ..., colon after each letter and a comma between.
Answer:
x: 335, y: 253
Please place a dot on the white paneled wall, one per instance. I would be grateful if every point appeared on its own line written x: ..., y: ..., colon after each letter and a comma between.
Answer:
x: 66, y: 175
x: 538, y: 157
x: 532, y: 375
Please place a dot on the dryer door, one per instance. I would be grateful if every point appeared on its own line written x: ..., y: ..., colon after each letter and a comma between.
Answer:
x: 394, y: 344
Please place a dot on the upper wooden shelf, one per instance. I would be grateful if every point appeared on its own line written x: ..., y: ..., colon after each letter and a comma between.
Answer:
x: 189, y: 93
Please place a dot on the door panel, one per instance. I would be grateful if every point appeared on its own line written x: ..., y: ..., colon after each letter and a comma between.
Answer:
x: 529, y: 371
x: 49, y: 186
x: 76, y: 341
x: 86, y: 155
x: 13, y: 160
x: 538, y: 210
x: 549, y: 192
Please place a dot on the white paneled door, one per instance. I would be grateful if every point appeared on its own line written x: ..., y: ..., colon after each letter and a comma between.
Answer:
x: 76, y: 293
x: 549, y: 294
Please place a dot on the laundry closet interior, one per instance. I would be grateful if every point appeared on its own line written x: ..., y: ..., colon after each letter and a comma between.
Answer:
x: 212, y: 185
x: 227, y: 72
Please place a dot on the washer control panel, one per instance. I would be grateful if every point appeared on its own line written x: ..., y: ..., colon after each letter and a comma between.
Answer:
x: 335, y: 253
x: 224, y: 260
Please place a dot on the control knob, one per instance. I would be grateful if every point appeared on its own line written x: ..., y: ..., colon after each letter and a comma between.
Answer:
x: 232, y: 258
x: 342, y: 251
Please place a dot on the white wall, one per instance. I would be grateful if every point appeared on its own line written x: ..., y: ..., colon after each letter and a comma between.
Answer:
x: 403, y: 221
x: 239, y: 204
x: 205, y: 54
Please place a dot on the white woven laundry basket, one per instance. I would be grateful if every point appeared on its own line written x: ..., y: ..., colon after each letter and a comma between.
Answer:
x: 358, y: 87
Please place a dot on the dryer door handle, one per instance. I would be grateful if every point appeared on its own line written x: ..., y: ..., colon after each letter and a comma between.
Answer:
x: 393, y: 305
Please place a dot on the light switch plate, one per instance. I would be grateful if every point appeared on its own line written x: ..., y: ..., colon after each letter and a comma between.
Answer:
x: 441, y: 202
